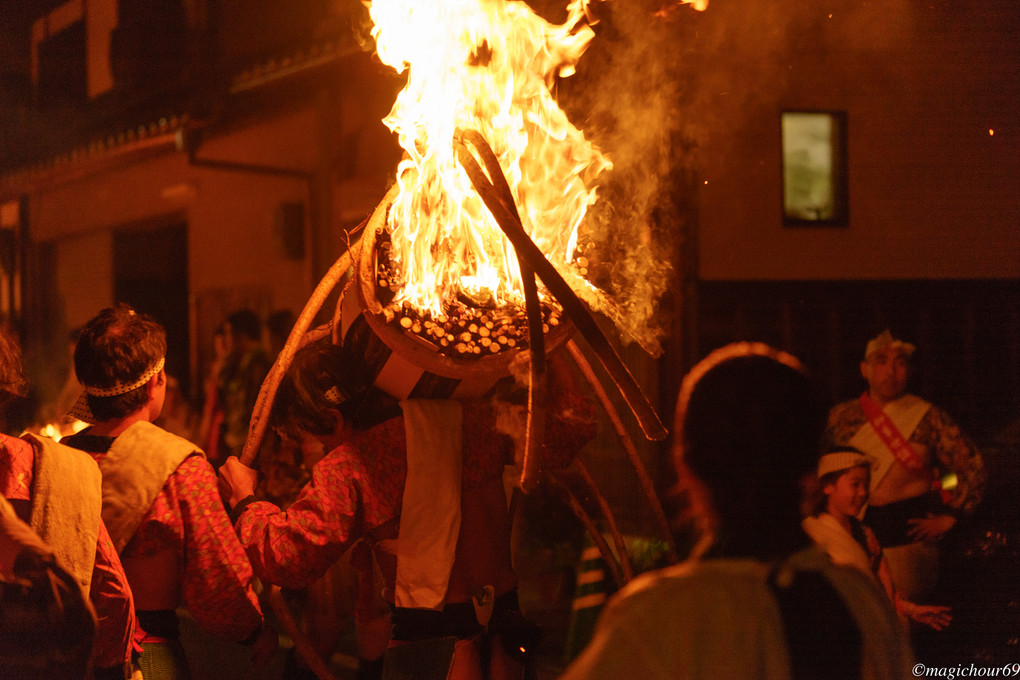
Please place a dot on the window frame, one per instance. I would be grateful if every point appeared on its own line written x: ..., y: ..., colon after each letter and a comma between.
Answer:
x: 837, y: 171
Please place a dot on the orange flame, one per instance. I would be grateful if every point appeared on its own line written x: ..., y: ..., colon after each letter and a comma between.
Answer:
x: 487, y: 65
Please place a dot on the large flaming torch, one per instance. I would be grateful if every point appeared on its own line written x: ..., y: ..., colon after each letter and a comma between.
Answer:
x: 481, y: 78
x: 483, y: 228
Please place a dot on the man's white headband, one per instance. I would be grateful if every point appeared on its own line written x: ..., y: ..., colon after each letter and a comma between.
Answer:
x: 80, y: 409
x: 124, y: 388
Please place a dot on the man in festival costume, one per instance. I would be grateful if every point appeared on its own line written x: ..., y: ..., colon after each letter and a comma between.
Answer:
x: 160, y: 500
x: 755, y: 599
x: 57, y: 490
x: 47, y: 625
x: 422, y: 481
x: 925, y: 472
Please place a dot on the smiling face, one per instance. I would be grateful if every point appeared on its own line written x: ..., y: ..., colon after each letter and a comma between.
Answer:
x: 886, y: 371
x: 848, y: 493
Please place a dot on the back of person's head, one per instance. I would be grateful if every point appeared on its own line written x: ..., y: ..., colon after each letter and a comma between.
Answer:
x: 747, y: 427
x: 323, y: 378
x: 14, y: 404
x: 245, y: 323
x: 13, y: 383
x: 118, y: 352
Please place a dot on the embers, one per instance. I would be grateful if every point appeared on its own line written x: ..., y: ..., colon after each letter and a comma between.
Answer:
x: 464, y: 329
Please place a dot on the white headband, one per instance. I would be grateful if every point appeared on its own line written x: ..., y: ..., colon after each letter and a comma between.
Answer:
x: 120, y: 388
x: 80, y: 409
x: 842, y: 460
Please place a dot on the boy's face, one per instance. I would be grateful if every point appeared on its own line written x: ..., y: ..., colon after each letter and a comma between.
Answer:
x: 848, y: 494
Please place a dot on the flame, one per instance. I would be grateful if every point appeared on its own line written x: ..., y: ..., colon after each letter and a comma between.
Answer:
x: 487, y: 65
x: 57, y: 431
x: 52, y: 431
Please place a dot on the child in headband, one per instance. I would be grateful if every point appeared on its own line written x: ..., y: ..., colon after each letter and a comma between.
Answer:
x: 843, y: 479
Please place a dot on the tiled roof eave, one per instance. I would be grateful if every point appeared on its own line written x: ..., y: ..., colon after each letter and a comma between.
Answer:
x: 97, y: 155
x: 102, y: 150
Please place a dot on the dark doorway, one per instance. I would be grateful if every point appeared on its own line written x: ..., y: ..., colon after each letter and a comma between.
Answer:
x: 150, y: 273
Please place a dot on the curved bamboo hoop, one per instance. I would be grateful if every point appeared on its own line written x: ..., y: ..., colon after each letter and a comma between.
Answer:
x: 299, y: 336
x: 644, y: 479
x: 301, y: 642
x: 267, y: 393
x: 492, y: 187
x: 607, y: 513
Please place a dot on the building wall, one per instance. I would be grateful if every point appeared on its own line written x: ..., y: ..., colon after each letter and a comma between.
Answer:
x: 231, y: 194
x: 932, y: 193
x: 230, y: 218
x: 235, y: 257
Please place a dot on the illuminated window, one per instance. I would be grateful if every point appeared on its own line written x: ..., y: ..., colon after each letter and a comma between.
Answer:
x: 814, y: 168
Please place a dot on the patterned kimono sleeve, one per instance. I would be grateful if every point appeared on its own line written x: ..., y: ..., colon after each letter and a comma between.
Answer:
x: 844, y: 421
x: 114, y: 603
x: 295, y: 547
x: 955, y: 452
x: 217, y: 577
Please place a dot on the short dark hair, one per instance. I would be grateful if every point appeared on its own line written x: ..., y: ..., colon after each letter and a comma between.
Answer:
x: 747, y: 428
x: 116, y: 347
x: 745, y: 412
